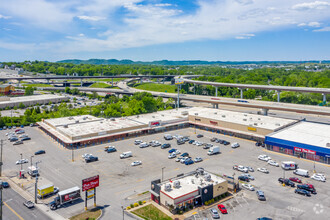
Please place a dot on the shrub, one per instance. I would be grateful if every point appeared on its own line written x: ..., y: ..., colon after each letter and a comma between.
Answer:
x: 136, y: 204
x: 128, y: 208
x: 180, y: 212
x: 212, y: 200
x: 191, y: 207
x: 144, y: 202
x: 140, y: 202
x: 216, y: 199
x: 131, y: 205
x: 207, y: 203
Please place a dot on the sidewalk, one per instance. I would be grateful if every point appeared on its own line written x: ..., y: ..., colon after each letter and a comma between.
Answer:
x: 42, y: 207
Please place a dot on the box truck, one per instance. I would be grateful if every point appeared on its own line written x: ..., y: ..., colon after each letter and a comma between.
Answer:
x: 65, y: 196
x: 126, y: 154
x: 301, y: 172
x: 214, y: 150
x: 33, y: 171
x: 289, y: 165
x: 46, y: 190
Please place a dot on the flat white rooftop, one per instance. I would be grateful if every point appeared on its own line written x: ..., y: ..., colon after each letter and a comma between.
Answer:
x: 306, y: 132
x: 32, y: 98
x: 258, y: 121
x: 189, y: 184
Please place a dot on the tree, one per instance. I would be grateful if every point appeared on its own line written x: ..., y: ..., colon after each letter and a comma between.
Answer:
x: 21, y: 105
x: 29, y: 90
x: 67, y: 90
x: 95, y: 95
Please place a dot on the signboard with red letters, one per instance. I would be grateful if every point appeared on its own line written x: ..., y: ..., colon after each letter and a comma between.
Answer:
x: 90, y: 183
x: 302, y: 150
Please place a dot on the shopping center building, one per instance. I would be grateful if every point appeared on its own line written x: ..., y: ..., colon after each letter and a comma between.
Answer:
x: 304, y: 139
x: 191, y: 189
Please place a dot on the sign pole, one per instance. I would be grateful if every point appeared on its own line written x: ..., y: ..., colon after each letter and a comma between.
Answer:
x: 85, y: 200
x: 95, y: 197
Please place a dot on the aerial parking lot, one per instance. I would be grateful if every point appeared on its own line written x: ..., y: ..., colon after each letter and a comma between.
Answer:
x: 120, y: 182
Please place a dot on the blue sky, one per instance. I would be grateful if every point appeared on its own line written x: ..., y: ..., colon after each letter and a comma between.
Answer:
x: 150, y: 30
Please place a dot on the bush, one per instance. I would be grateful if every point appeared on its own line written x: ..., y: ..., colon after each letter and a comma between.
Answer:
x: 128, y: 208
x: 207, y: 203
x: 136, y: 204
x: 180, y: 212
x: 131, y: 205
x: 212, y: 200
x: 140, y: 202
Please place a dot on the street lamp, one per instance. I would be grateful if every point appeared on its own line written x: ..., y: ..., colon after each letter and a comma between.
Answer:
x: 21, y: 161
x: 163, y: 173
x: 195, y: 121
x: 72, y: 153
x: 122, y: 207
x: 31, y: 160
x: 36, y: 184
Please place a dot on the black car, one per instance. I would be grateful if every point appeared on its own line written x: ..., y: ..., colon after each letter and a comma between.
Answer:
x: 184, y: 155
x: 213, y: 139
x: 219, y: 141
x: 244, y: 178
x: 25, y: 138
x: 111, y: 149
x: 91, y: 159
x: 5, y: 184
x: 226, y: 142
x: 165, y: 146
x: 305, y: 187
x: 39, y: 152
x: 286, y: 182
x: 258, y: 144
x: 180, y: 141
x: 264, y: 218
x: 302, y: 192
x: 185, y: 138
x: 200, y: 136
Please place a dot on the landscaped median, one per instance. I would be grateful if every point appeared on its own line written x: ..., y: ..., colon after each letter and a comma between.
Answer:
x: 92, y: 214
x: 150, y: 212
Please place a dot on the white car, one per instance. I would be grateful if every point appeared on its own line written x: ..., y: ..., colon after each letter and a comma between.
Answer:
x: 321, y: 175
x: 144, y: 144
x: 248, y: 176
x: 21, y: 161
x: 20, y: 132
x: 318, y: 178
x: 177, y: 152
x: 263, y: 170
x: 137, y: 142
x: 273, y: 163
x: 198, y: 159
x: 136, y: 163
x: 84, y: 156
x: 242, y: 169
x: 199, y: 143
x: 184, y: 159
x: 264, y: 157
x: 235, y: 145
x: 172, y: 155
x: 178, y: 159
x: 248, y: 186
x: 23, y: 136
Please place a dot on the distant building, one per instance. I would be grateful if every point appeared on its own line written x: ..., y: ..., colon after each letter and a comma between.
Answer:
x: 6, y: 89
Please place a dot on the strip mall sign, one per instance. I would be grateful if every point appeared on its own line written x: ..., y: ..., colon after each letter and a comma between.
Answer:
x: 213, y: 123
x: 90, y: 183
x: 302, y: 150
x: 154, y: 123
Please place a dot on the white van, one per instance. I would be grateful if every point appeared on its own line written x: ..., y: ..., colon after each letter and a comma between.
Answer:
x: 301, y: 172
x: 126, y: 154
x: 235, y: 145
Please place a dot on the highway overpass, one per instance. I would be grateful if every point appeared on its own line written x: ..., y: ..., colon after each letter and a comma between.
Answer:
x: 264, y: 106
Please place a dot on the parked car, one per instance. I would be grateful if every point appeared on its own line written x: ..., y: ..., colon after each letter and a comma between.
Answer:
x: 20, y: 132
x: 144, y: 145
x: 165, y: 146
x: 264, y: 157
x: 180, y: 141
x: 307, y: 187
x: 263, y: 170
x: 191, y: 141
x: 172, y: 150
x: 214, y: 213
x: 29, y: 204
x: 185, y: 138
x: 110, y: 149
x: 261, y: 195
x: 258, y: 144
x: 137, y: 142
x: 84, y: 156
x: 250, y: 169
x: 136, y: 163
x: 22, y: 161
x: 12, y: 139
x: 91, y: 159
x: 222, y: 209
x: 240, y: 168
x: 318, y: 178
x: 302, y: 192
x: 200, y: 136
x: 287, y: 182
x: 207, y: 146
x: 295, y: 179
x: 184, y: 155
x: 219, y: 141
x: 155, y: 143
x: 189, y: 161
x: 225, y: 142
x: 23, y: 136
x: 198, y: 159
x: 178, y: 159
x: 168, y: 137
x: 183, y: 160
x: 213, y: 139
x: 25, y: 139
x: 244, y: 178
x: 18, y: 142
x: 235, y: 145
x: 248, y: 176
x: 5, y: 184
x: 248, y: 186
x: 171, y: 156
x: 39, y: 152
x: 273, y: 163
x: 320, y: 174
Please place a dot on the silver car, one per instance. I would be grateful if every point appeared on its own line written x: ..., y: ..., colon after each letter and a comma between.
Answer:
x: 214, y: 213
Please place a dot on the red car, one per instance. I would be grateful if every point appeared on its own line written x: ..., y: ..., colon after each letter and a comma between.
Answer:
x: 222, y: 209
x: 295, y: 179
x: 309, y: 185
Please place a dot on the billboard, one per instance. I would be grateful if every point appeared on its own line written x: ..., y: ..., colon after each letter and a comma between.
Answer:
x: 90, y: 183
x: 90, y: 193
x: 178, y: 81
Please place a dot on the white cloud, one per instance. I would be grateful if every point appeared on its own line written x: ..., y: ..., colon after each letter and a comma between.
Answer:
x: 81, y: 35
x: 325, y: 29
x: 244, y: 36
x: 310, y: 24
x: 4, y: 17
x: 311, y: 5
x: 90, y: 18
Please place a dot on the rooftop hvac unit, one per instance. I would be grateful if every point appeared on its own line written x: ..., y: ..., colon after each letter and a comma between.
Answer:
x: 84, y: 118
x: 277, y: 124
x: 223, y: 116
x: 245, y: 114
x: 65, y: 126
x: 162, y: 115
x: 207, y: 177
x: 192, y: 181
x: 112, y: 119
x: 153, y: 116
x: 184, y: 113
x: 215, y: 113
x: 255, y: 124
x: 101, y: 122
x: 259, y: 119
x: 77, y: 121
x: 176, y: 184
x: 244, y: 119
x: 167, y: 186
x: 70, y: 118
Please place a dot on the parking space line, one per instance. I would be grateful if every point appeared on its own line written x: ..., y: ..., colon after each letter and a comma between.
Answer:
x: 177, y: 168
x: 140, y: 180
x: 13, y: 211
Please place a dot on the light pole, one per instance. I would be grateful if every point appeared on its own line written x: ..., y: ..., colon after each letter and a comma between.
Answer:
x: 163, y: 173
x: 31, y: 160
x: 1, y: 141
x: 36, y: 184
x: 314, y: 164
x: 122, y: 207
x: 72, y: 153
x: 195, y: 121
x: 21, y: 161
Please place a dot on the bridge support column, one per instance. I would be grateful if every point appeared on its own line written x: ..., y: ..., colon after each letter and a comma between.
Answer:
x: 324, y: 97
x: 112, y: 82
x: 241, y: 92
x: 48, y: 81
x: 194, y: 89
x: 141, y: 80
x: 264, y: 111
x: 81, y: 82
x: 216, y: 91
x: 164, y: 80
x: 278, y: 95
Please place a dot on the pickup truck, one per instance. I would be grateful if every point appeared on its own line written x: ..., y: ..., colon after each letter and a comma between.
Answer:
x: 241, y: 168
x: 287, y: 182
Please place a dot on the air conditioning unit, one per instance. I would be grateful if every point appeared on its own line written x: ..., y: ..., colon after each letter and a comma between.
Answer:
x: 277, y: 124
x: 77, y: 121
x: 256, y: 124
x: 244, y: 119
x: 167, y: 187
x: 176, y: 184
x: 65, y: 126
x: 223, y: 116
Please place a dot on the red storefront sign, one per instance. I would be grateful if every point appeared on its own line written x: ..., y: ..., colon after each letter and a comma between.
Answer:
x: 90, y: 183
x: 213, y: 122
x: 302, y: 150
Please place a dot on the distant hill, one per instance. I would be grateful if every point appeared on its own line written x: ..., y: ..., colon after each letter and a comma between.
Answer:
x: 183, y: 62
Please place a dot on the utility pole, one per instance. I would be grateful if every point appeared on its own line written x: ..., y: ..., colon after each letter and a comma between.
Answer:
x: 31, y: 160
x: 122, y: 207
x: 36, y: 184
x: 1, y: 199
x: 72, y: 154
x: 1, y: 141
x: 21, y: 161
x: 163, y: 173
x: 11, y: 117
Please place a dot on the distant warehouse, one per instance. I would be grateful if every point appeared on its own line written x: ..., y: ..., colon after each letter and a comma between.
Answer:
x: 304, y: 139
